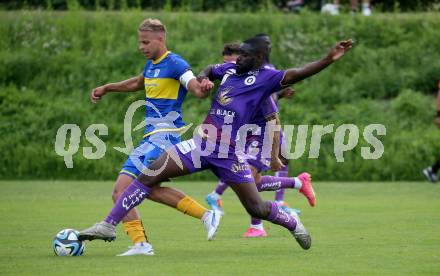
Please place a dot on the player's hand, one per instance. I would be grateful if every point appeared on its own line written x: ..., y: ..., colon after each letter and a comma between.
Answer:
x: 287, y: 92
x: 97, y: 93
x: 437, y: 121
x: 276, y: 164
x: 340, y: 49
x: 206, y: 85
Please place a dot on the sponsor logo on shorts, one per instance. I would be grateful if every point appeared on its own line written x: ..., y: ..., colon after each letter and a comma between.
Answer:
x: 239, y: 167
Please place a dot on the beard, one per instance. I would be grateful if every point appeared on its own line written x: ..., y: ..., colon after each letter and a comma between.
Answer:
x: 243, y: 68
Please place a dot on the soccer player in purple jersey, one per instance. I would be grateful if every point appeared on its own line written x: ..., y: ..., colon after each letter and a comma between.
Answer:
x: 254, y: 146
x: 285, y: 93
x: 217, y: 146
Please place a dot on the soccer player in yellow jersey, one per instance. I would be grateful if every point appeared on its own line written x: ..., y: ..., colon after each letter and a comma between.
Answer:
x: 166, y: 79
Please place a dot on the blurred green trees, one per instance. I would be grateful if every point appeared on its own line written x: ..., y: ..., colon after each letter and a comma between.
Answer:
x: 203, y: 5
x: 49, y: 62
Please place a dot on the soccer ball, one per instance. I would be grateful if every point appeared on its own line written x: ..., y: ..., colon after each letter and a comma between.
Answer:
x: 66, y: 243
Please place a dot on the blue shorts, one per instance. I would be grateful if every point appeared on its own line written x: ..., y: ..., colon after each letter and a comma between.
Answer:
x: 149, y: 149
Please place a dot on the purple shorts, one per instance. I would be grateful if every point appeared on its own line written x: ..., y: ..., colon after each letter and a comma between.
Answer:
x: 254, y: 153
x: 254, y: 149
x: 231, y: 169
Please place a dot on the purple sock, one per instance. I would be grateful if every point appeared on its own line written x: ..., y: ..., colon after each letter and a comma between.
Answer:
x: 280, y: 217
x: 133, y: 195
x: 284, y: 172
x: 255, y: 221
x: 273, y: 183
x: 279, y: 195
x: 221, y: 187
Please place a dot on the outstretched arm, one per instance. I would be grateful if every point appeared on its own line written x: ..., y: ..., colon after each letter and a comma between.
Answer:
x: 297, y: 74
x: 129, y: 85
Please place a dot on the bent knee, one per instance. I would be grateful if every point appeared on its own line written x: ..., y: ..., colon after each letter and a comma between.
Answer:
x: 122, y: 183
x: 116, y: 194
x: 150, y: 181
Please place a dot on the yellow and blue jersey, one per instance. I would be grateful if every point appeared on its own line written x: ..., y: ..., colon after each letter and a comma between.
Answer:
x: 164, y: 92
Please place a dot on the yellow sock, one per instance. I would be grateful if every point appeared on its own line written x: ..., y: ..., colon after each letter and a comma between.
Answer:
x: 191, y: 207
x: 135, y: 230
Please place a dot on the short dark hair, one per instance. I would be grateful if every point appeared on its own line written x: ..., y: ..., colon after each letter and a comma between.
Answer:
x: 231, y: 49
x: 262, y: 35
x: 255, y: 45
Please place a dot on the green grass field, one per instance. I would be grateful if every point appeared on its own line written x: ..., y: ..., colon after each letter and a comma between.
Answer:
x: 357, y: 228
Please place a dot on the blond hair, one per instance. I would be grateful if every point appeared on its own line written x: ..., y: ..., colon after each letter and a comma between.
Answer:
x: 152, y: 25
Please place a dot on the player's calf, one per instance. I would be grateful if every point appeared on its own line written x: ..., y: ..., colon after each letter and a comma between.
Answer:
x: 257, y: 208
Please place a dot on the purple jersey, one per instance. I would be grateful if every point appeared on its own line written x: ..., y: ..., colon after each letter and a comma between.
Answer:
x: 238, y: 98
x: 271, y: 66
x: 255, y: 141
x: 267, y: 109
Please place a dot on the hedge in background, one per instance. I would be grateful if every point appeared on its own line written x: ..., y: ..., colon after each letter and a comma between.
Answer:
x: 50, y: 61
x: 205, y: 5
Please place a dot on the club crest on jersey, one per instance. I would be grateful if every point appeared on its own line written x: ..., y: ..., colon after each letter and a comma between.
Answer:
x: 156, y: 73
x: 250, y: 80
x: 223, y: 97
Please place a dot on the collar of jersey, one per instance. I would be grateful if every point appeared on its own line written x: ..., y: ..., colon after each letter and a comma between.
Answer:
x: 161, y: 58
